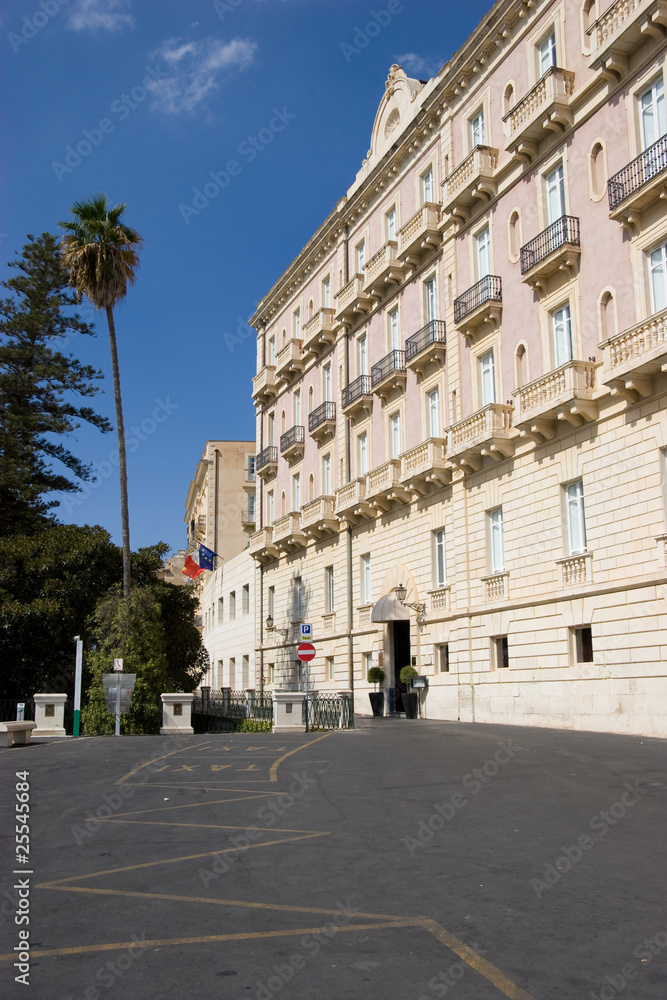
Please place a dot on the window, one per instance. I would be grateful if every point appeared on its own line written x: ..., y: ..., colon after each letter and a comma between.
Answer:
x: 521, y: 365
x: 270, y: 508
x: 562, y: 335
x: 483, y: 253
x: 514, y: 236
x: 245, y: 672
x: 245, y: 599
x: 439, y: 564
x: 488, y: 378
x: 583, y: 644
x: 232, y: 672
x: 576, y: 526
x: 496, y: 540
x: 366, y: 664
x: 271, y: 429
x: 361, y: 255
x: 326, y: 292
x: 366, y: 578
x: 362, y: 355
x: 477, y: 129
x: 546, y: 53
x: 607, y: 316
x: 326, y: 475
x: 272, y: 672
x: 297, y: 598
x: 433, y: 413
x: 362, y: 453
x: 658, y: 275
x: 271, y: 601
x: 427, y: 185
x: 430, y: 299
x: 296, y: 404
x: 251, y: 507
x: 555, y: 183
x: 326, y: 383
x: 232, y: 605
x: 652, y: 105
x: 250, y: 468
x: 394, y: 336
x: 221, y: 610
x: 330, y: 668
x: 328, y: 589
x: 296, y: 491
x: 501, y: 649
x: 271, y: 351
x: 598, y: 179
x: 390, y: 220
x: 508, y: 99
x: 296, y: 325
x: 395, y: 434
x: 443, y: 657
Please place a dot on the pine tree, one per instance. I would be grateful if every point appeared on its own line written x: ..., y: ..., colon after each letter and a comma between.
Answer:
x: 39, y: 386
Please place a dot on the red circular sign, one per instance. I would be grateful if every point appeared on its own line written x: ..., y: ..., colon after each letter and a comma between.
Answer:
x: 306, y: 651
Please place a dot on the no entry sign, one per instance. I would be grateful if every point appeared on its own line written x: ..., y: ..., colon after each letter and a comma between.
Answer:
x: 305, y: 651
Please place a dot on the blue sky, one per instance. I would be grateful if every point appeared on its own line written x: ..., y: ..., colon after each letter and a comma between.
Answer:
x: 144, y: 99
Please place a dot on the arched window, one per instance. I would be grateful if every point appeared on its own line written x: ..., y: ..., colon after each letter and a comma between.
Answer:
x: 589, y: 13
x: 284, y: 336
x: 311, y: 307
x: 310, y: 400
x: 508, y: 99
x: 598, y: 179
x: 311, y: 487
x: 514, y: 235
x: 283, y: 510
x: 607, y: 315
x: 282, y: 423
x: 521, y: 365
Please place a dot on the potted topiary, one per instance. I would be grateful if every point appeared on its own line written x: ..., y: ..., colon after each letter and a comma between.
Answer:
x: 376, y: 676
x: 410, y: 698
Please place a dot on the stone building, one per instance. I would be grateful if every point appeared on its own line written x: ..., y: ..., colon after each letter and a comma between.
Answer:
x: 461, y: 385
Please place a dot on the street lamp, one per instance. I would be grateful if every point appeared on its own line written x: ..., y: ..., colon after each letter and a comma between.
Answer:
x: 270, y: 627
x: 419, y: 608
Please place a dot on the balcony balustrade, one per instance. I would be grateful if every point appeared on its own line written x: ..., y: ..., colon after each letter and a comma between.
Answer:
x: 357, y: 397
x: 545, y: 109
x: 290, y: 361
x: 425, y: 468
x: 482, y: 303
x: 383, y: 270
x: 287, y: 532
x: 576, y: 571
x: 620, y: 31
x: 426, y: 346
x: 496, y: 586
x: 261, y: 545
x: 248, y: 520
x: 322, y: 421
x: 420, y: 235
x: 265, y: 385
x: 384, y: 487
x: 471, y: 184
x: 487, y: 433
x: 634, y: 357
x: 389, y: 373
x: 318, y: 518
x: 292, y: 442
x: 351, y: 502
x: 352, y: 301
x: 440, y: 600
x: 266, y: 463
x: 639, y: 184
x: 556, y: 248
x: 319, y: 332
x: 565, y: 394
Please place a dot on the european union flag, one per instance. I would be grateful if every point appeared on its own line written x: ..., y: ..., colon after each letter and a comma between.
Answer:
x: 206, y: 557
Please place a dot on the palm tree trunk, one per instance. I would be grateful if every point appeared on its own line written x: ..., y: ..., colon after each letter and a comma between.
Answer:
x: 122, y: 462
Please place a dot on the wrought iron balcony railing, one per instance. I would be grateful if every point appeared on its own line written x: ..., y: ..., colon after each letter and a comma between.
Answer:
x: 392, y: 362
x: 360, y: 387
x: 488, y: 289
x: 266, y: 457
x: 640, y: 171
x: 295, y: 435
x: 562, y: 232
x: 325, y: 411
x: 432, y: 333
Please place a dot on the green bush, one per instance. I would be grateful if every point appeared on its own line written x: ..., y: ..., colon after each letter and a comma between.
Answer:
x: 406, y: 675
x: 376, y: 675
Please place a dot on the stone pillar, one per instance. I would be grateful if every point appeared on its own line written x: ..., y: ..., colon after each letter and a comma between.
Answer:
x: 177, y: 714
x: 50, y: 715
x: 287, y: 708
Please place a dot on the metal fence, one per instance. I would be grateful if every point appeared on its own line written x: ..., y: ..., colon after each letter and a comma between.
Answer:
x: 564, y: 231
x: 8, y: 709
x: 488, y: 289
x: 637, y: 173
x: 229, y: 711
x: 328, y: 711
x: 433, y: 333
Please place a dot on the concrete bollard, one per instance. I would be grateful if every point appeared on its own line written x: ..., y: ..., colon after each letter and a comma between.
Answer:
x: 177, y: 714
x: 50, y: 715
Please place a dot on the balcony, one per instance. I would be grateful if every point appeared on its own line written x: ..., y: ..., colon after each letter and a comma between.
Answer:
x: 496, y: 586
x: 351, y: 503
x: 545, y: 109
x: 384, y: 487
x: 565, y: 394
x: 576, y: 570
x: 480, y: 304
x: 357, y: 397
x: 472, y: 181
x: 264, y: 385
x: 292, y: 442
x: 248, y: 519
x: 290, y: 361
x: 639, y: 184
x: 322, y: 421
x: 383, y: 270
x: 424, y: 468
x: 352, y: 301
x: 261, y: 546
x: 287, y: 532
x: 267, y: 462
x: 318, y: 518
x: 389, y: 374
x: 621, y: 30
x: 319, y: 333
x: 556, y: 248
x: 487, y: 433
x: 633, y: 358
x: 426, y: 347
x: 420, y: 235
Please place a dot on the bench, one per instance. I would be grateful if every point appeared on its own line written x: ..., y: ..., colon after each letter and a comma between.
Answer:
x: 12, y: 733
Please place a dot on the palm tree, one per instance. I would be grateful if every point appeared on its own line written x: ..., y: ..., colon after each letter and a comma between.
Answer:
x: 100, y: 253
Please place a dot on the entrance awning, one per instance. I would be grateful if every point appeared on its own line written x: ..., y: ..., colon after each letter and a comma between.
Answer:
x: 390, y: 609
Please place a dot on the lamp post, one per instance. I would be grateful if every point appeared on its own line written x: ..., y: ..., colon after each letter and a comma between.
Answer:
x: 419, y: 607
x: 270, y: 627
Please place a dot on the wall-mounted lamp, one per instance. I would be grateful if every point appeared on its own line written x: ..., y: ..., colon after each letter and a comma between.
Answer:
x: 419, y: 608
x: 270, y: 627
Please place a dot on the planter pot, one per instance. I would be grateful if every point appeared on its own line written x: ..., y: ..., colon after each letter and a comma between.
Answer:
x: 411, y: 704
x: 377, y: 702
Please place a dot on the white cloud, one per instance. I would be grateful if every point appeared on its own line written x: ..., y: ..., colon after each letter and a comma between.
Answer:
x: 195, y: 68
x: 418, y: 66
x: 91, y: 15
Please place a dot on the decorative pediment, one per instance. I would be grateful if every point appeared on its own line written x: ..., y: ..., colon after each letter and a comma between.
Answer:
x: 395, y: 108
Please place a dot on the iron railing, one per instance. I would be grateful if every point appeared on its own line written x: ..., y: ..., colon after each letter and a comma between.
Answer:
x: 227, y: 711
x: 488, y: 289
x: 266, y: 457
x: 639, y: 172
x: 295, y: 435
x: 392, y: 362
x: 432, y: 333
x: 8, y: 709
x: 326, y: 411
x: 328, y: 711
x: 562, y: 232
x: 360, y: 387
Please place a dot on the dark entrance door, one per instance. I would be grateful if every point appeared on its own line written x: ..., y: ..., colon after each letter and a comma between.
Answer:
x: 401, y: 640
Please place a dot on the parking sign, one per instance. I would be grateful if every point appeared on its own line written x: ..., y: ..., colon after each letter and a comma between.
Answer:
x: 306, y: 631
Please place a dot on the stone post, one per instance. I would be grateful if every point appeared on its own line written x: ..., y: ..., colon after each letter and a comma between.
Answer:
x: 50, y: 715
x: 287, y: 708
x: 177, y: 714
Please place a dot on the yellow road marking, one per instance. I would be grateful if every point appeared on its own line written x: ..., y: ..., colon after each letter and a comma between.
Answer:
x: 194, y: 805
x: 204, y: 826
x: 274, y: 767
x: 154, y: 760
x: 476, y: 962
x: 203, y: 788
